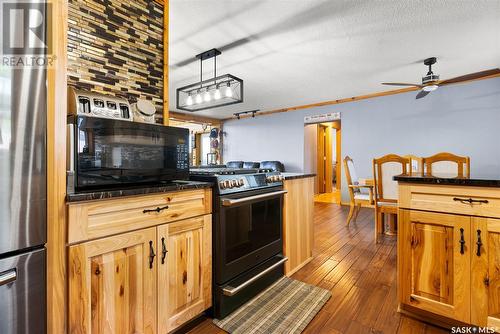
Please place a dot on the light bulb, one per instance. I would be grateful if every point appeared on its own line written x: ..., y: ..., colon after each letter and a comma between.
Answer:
x: 198, y: 98
x: 207, y: 97
x: 228, y: 92
x: 430, y: 88
x: 189, y: 100
x: 217, y: 94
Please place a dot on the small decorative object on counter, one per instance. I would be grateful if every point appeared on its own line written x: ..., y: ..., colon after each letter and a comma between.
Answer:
x: 144, y: 111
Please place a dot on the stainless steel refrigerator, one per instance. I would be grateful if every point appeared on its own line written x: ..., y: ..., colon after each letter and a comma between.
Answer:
x: 23, y: 194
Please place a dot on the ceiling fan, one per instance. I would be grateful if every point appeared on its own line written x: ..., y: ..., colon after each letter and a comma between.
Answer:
x: 430, y: 82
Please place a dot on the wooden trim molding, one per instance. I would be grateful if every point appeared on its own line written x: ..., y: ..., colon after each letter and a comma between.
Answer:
x: 350, y: 99
x: 166, y: 99
x: 56, y: 170
x: 194, y: 118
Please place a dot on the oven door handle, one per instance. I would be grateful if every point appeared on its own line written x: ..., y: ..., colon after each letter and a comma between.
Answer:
x: 230, y: 201
x: 230, y: 291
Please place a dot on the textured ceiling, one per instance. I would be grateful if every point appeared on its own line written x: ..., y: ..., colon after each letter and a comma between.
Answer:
x: 294, y: 52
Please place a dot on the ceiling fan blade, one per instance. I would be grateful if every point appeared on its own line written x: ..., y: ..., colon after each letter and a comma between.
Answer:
x: 471, y: 76
x: 421, y: 94
x: 400, y: 84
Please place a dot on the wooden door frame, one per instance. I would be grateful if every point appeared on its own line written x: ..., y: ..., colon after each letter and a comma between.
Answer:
x: 337, y: 125
x: 324, y: 172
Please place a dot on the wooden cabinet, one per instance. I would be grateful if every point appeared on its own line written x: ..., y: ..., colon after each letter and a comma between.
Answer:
x: 449, y: 264
x: 486, y: 272
x: 298, y: 212
x: 434, y: 263
x: 147, y: 281
x: 97, y: 219
x: 185, y: 271
x: 112, y: 284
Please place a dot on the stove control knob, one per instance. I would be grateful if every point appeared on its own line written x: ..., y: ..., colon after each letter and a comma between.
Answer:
x: 222, y: 185
x: 241, y: 182
x: 269, y: 179
x: 227, y: 184
x: 234, y: 183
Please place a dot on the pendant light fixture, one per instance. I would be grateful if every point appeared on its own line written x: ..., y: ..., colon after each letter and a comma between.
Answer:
x: 211, y: 93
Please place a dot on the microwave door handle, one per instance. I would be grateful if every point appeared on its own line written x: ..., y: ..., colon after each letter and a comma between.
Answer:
x: 231, y: 201
x: 70, y: 149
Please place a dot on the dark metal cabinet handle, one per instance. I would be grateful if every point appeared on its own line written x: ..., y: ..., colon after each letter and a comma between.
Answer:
x: 158, y: 209
x: 470, y: 200
x: 462, y: 241
x: 151, y: 254
x: 486, y: 281
x: 479, y: 243
x: 163, y: 251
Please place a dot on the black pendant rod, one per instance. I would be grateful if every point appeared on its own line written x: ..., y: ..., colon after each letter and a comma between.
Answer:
x: 201, y: 72
x: 215, y: 70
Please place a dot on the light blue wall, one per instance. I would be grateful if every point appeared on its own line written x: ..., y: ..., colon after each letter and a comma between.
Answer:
x: 463, y: 119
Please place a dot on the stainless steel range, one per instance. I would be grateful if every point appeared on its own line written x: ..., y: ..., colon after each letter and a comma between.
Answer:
x: 247, y: 233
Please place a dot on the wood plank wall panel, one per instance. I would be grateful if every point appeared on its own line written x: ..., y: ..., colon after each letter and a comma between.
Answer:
x: 56, y: 170
x: 117, y: 47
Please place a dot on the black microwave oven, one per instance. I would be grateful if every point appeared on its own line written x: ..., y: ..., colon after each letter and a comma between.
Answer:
x: 107, y: 153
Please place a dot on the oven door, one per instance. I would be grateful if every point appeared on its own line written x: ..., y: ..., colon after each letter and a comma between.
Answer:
x: 248, y: 232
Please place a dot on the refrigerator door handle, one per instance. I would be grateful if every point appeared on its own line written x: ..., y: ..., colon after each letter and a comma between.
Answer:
x: 8, y: 276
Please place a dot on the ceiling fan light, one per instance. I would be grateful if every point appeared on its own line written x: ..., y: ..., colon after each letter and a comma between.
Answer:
x: 430, y: 88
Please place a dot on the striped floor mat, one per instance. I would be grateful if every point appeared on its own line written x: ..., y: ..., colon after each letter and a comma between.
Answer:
x: 285, y: 307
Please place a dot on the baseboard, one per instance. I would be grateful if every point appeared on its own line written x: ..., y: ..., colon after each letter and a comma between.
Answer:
x: 300, y: 266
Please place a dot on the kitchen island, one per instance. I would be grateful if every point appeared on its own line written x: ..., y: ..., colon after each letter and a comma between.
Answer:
x: 449, y: 248
x: 298, y: 213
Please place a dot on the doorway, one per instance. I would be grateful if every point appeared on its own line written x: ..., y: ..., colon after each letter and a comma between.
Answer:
x: 204, y: 149
x: 325, y: 141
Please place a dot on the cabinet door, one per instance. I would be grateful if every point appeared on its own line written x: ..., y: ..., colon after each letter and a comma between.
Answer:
x: 434, y: 267
x: 112, y: 284
x: 185, y: 274
x: 486, y: 272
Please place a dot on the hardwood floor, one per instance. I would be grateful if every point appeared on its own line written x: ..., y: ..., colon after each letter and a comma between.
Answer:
x: 333, y: 197
x: 360, y: 274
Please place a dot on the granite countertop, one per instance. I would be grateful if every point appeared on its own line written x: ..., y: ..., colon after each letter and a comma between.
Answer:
x: 477, y: 180
x: 293, y: 176
x: 139, y: 190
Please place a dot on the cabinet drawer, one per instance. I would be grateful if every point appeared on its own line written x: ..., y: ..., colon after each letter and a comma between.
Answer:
x: 472, y: 201
x: 101, y: 218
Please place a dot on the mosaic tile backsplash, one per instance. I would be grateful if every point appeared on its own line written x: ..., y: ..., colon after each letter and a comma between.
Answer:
x: 116, y: 47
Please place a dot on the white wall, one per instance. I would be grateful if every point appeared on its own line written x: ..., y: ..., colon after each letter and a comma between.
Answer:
x: 463, y: 119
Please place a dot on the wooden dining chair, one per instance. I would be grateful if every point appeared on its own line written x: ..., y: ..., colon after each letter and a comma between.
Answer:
x: 447, y: 163
x: 386, y: 189
x: 357, y: 197
x: 415, y: 163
